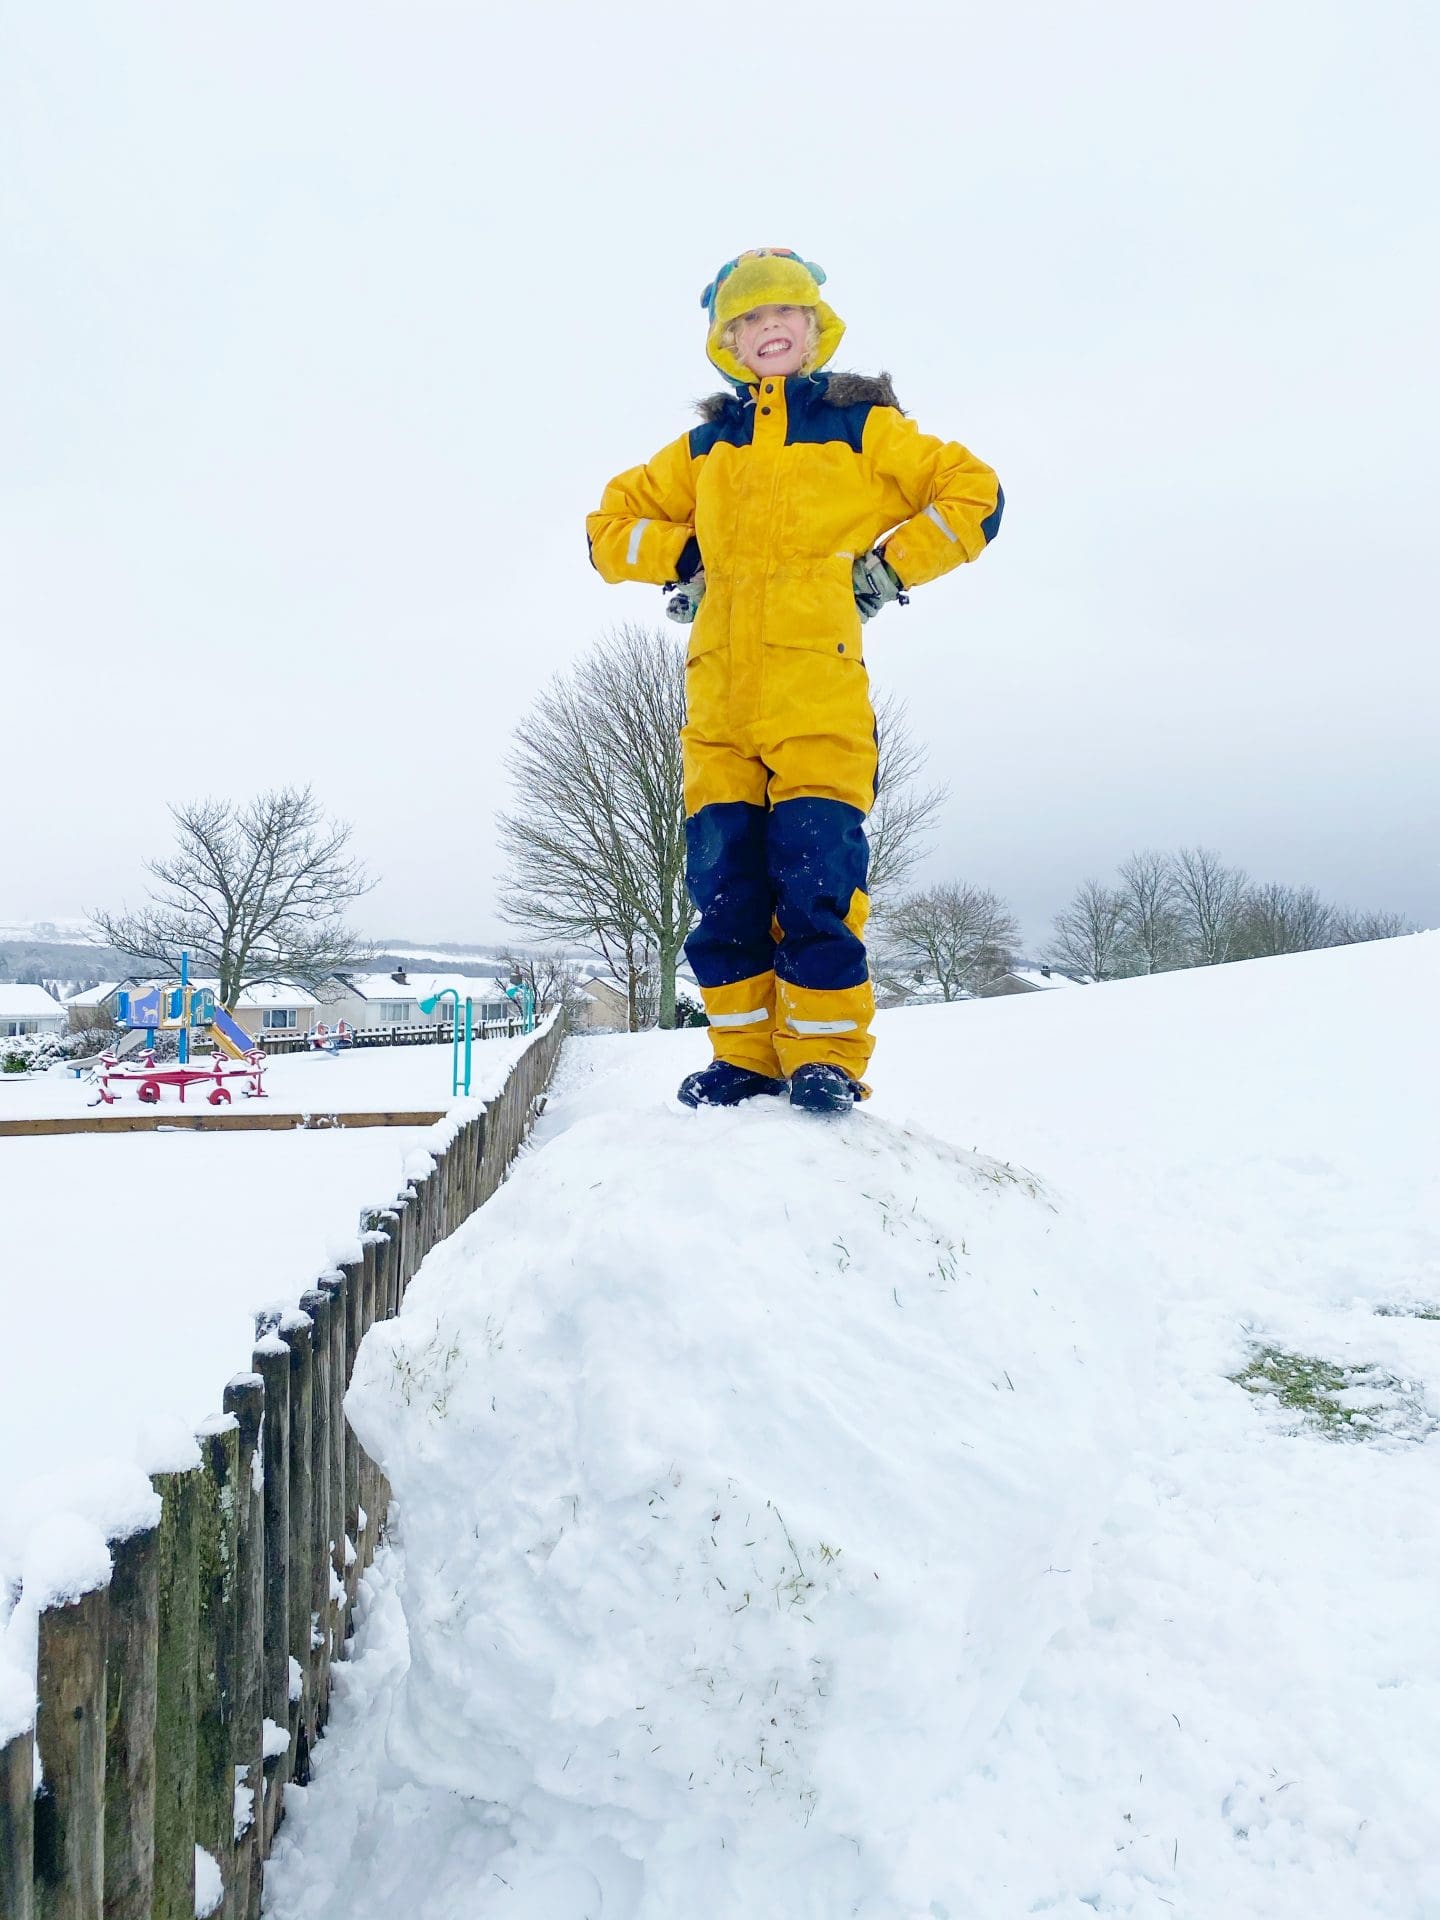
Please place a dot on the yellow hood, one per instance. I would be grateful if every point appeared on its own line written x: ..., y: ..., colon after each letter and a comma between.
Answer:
x: 764, y: 277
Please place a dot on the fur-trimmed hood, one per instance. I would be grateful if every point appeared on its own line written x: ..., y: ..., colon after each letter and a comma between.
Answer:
x: 835, y: 390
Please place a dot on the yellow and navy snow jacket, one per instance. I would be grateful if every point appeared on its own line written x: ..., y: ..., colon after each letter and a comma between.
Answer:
x: 776, y: 493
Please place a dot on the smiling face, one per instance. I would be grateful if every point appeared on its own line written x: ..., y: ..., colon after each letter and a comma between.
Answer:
x: 773, y: 340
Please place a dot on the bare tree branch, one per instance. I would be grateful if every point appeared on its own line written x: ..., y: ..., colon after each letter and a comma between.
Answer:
x: 1211, y: 897
x: 1152, y: 911
x: 1280, y: 919
x: 960, y: 936
x: 1351, y: 928
x: 253, y: 893
x: 595, y: 837
x: 905, y: 812
x: 1091, y: 935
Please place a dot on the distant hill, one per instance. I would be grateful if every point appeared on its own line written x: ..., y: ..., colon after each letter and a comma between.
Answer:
x: 61, y: 950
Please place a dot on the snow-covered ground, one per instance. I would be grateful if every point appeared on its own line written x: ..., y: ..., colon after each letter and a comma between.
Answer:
x: 131, y: 1269
x: 361, y: 1079
x: 860, y: 1518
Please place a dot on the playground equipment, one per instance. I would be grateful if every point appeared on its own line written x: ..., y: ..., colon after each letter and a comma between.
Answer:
x: 183, y: 1009
x: 524, y: 997
x: 516, y: 990
x: 325, y: 1039
x: 149, y: 1080
x: 458, y: 1083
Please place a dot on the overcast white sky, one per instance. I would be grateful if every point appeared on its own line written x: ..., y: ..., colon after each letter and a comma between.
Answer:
x: 321, y: 328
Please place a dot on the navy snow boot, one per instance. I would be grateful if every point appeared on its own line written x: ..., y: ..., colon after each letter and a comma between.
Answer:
x: 818, y: 1088
x: 721, y: 1085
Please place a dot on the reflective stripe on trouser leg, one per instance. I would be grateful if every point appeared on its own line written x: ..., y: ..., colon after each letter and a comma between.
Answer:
x: 742, y: 1023
x: 818, y: 860
x: 831, y: 1026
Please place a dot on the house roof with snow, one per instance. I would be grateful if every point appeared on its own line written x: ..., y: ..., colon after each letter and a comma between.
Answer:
x: 1041, y: 978
x: 93, y: 996
x: 273, y: 993
x: 27, y: 1003
x: 421, y: 986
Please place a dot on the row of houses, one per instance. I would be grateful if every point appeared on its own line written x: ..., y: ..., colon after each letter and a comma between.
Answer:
x: 29, y: 1010
x: 278, y: 1008
x: 377, y: 1000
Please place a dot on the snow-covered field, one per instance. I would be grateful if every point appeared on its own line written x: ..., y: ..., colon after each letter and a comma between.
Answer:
x: 362, y: 1079
x: 860, y: 1518
x: 131, y: 1268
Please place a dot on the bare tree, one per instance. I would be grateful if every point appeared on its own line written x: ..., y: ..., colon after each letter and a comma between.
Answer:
x: 1351, y: 928
x: 551, y: 975
x: 253, y: 893
x: 959, y: 935
x: 1280, y: 919
x: 1091, y: 934
x: 595, y: 837
x: 904, y: 813
x: 1211, y: 897
x: 1152, y: 913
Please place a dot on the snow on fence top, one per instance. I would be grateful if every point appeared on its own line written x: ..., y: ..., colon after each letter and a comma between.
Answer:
x: 260, y: 1533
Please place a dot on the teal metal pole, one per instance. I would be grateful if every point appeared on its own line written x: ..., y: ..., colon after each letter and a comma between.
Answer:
x: 468, y: 1038
x: 184, y: 1007
x: 429, y: 1006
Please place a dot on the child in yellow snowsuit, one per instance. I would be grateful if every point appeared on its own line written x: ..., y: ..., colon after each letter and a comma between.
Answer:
x: 767, y: 517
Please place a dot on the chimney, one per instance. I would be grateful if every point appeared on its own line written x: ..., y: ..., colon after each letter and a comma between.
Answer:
x: 399, y: 977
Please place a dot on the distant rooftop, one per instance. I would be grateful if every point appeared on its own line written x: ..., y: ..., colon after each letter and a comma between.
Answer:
x: 27, y: 1003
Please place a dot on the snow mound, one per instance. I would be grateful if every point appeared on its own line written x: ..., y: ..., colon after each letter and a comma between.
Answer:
x: 747, y: 1463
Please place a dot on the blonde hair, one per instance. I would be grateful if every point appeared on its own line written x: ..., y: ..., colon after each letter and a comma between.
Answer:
x: 730, y: 339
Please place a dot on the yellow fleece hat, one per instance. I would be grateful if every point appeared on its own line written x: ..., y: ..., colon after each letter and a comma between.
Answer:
x: 765, y: 277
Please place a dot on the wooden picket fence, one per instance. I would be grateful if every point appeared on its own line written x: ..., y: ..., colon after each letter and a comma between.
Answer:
x: 175, y: 1703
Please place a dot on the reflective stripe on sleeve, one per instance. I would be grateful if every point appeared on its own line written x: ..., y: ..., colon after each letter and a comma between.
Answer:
x: 739, y: 1019
x: 822, y: 1026
x: 637, y: 534
x: 933, y: 513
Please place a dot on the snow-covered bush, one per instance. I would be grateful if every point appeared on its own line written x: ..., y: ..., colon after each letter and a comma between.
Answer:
x: 34, y: 1052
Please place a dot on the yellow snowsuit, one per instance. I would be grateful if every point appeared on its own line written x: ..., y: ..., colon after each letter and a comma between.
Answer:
x: 774, y: 496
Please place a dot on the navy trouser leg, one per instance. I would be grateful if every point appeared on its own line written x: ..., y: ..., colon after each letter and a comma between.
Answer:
x: 731, y: 948
x: 818, y: 860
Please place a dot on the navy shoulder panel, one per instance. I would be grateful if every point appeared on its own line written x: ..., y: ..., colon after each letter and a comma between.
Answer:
x: 734, y: 426
x: 813, y: 426
x: 833, y: 407
x: 990, y: 525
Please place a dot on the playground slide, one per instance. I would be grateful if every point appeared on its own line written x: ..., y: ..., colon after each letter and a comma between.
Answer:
x: 229, y: 1035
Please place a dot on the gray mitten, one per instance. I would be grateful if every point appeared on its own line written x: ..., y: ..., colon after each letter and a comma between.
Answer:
x: 684, y: 602
x: 874, y: 583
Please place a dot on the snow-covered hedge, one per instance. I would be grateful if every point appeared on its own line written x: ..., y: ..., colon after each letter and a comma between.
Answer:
x: 34, y: 1052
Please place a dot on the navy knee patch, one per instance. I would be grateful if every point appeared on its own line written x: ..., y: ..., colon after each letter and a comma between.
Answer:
x: 725, y: 871
x: 819, y: 859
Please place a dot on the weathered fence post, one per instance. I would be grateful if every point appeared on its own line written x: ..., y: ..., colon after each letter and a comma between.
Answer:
x: 317, y: 1558
x: 272, y: 1363
x: 175, y: 1672
x: 354, y: 1272
x: 392, y: 1225
x: 245, y: 1399
x: 373, y: 1245
x: 217, y: 1537
x: 412, y: 1210
x: 334, y: 1285
x: 132, y: 1654
x: 70, y: 1737
x: 298, y: 1333
x: 17, y: 1826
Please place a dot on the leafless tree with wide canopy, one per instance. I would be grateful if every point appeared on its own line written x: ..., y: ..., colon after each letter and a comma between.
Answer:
x: 254, y: 892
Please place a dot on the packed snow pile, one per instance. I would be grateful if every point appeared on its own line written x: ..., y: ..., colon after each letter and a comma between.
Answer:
x: 746, y: 1463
